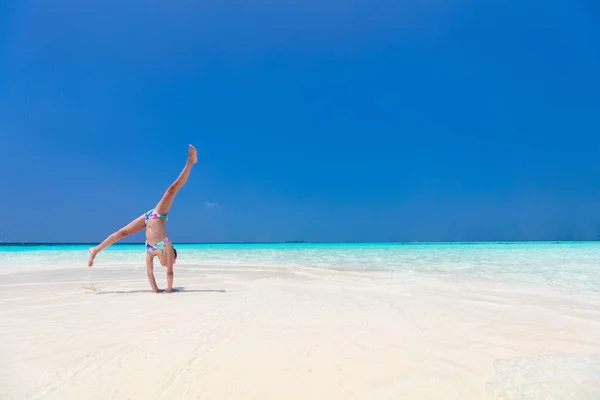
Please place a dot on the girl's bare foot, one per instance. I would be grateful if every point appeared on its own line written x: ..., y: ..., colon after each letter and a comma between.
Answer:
x: 192, y: 155
x: 93, y: 253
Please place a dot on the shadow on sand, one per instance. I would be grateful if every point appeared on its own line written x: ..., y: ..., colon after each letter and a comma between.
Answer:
x: 177, y: 290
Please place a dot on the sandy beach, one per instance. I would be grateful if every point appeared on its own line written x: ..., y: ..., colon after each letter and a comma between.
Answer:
x: 254, y: 333
x: 369, y: 200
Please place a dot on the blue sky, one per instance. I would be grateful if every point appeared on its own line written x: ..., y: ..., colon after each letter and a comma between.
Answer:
x: 327, y: 121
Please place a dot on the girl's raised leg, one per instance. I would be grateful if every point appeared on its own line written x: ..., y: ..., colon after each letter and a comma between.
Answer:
x: 133, y: 227
x: 164, y: 204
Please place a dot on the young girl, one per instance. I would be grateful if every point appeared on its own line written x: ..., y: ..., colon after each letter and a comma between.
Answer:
x: 157, y: 242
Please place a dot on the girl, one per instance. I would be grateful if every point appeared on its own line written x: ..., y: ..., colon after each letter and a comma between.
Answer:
x: 157, y: 242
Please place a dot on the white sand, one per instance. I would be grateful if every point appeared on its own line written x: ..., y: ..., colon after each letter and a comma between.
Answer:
x: 249, y: 334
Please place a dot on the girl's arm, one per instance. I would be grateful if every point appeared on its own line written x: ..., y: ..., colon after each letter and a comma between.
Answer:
x: 150, y: 272
x: 170, y: 260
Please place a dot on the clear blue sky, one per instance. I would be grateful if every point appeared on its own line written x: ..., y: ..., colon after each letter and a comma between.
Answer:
x: 329, y: 120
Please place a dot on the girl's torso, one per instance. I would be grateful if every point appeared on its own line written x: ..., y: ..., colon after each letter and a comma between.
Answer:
x: 155, y: 227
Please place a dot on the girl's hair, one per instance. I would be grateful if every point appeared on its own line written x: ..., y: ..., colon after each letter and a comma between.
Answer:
x: 174, y: 252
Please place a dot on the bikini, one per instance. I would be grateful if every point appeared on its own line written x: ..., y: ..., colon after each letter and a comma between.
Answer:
x: 159, y: 246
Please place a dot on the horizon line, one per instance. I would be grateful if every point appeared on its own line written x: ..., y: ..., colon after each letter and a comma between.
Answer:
x: 308, y: 242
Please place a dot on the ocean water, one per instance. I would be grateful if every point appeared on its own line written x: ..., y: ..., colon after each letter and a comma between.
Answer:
x: 570, y: 267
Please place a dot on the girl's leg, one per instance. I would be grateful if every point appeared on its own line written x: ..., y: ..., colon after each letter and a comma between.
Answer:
x: 164, y: 204
x: 133, y: 227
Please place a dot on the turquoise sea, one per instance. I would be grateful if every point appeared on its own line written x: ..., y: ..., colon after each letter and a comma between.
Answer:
x: 566, y: 266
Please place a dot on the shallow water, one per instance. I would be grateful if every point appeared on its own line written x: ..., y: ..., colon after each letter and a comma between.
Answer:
x: 571, y: 267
